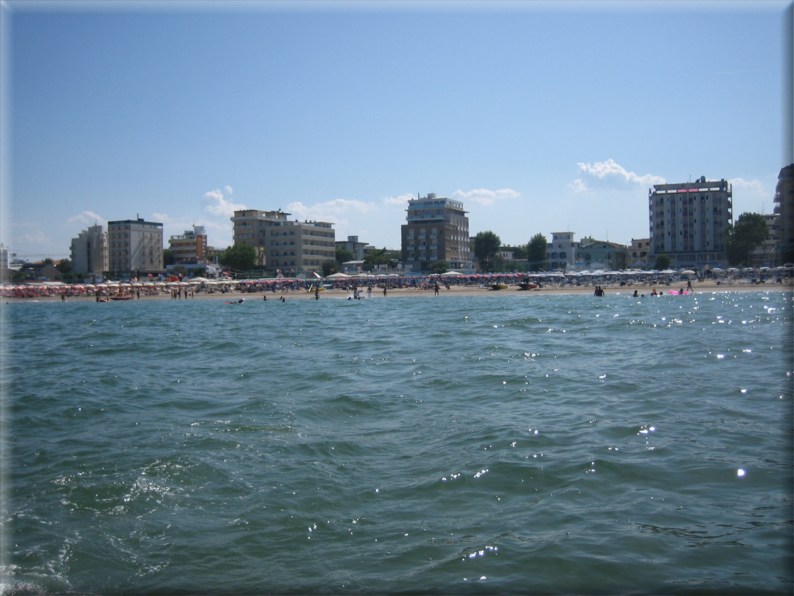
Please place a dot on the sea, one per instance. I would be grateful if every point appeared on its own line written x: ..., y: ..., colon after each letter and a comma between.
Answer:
x: 521, y: 443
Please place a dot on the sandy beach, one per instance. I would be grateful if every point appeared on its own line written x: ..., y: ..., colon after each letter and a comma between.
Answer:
x: 343, y: 294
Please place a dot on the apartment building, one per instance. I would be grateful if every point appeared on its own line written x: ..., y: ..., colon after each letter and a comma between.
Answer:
x: 602, y: 254
x: 640, y: 247
x: 688, y: 222
x: 784, y: 209
x: 359, y: 250
x: 436, y: 229
x: 135, y: 248
x: 561, y: 251
x: 284, y: 245
x: 89, y: 251
x: 190, y: 247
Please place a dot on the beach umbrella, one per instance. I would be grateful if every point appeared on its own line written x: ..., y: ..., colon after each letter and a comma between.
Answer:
x: 687, y: 272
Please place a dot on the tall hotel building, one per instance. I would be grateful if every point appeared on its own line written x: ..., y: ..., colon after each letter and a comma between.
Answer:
x: 135, y: 247
x: 784, y: 209
x: 437, y: 229
x: 688, y: 222
x: 283, y: 245
x: 90, y: 251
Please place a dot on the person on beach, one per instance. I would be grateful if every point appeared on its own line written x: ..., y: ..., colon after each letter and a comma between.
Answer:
x: 317, y: 293
x: 435, y: 288
x: 689, y: 285
x: 369, y: 291
x: 265, y: 297
x: 384, y: 290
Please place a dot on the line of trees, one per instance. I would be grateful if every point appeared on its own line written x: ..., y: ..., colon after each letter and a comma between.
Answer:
x: 487, y: 246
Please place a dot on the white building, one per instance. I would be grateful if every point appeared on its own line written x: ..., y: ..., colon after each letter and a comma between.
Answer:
x: 688, y: 222
x: 135, y: 248
x: 89, y: 251
x: 4, y: 257
x: 562, y: 251
x: 284, y: 245
x: 358, y: 249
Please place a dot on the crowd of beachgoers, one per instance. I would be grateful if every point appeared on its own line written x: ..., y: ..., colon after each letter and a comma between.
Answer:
x: 556, y: 280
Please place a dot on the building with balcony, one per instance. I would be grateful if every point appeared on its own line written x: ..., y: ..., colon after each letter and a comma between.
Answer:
x: 358, y: 249
x: 284, y: 245
x: 784, y: 209
x: 603, y: 254
x: 135, y: 248
x: 89, y: 251
x: 766, y: 254
x: 688, y: 222
x: 436, y: 229
x: 561, y: 251
x: 640, y: 247
x: 190, y: 247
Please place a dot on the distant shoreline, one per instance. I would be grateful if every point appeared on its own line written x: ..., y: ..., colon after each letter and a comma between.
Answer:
x: 342, y: 294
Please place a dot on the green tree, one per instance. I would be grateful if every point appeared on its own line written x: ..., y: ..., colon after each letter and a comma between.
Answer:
x: 64, y: 266
x: 537, y: 255
x: 168, y: 257
x: 343, y: 256
x: 486, y: 247
x: 741, y: 239
x: 240, y: 257
x: 662, y: 263
x: 330, y: 266
x: 438, y: 267
x: 376, y: 257
x: 519, y: 252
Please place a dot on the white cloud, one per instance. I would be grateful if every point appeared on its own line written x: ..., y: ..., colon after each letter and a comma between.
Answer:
x: 162, y: 218
x: 87, y: 218
x: 577, y: 186
x: 400, y: 201
x: 483, y: 196
x: 326, y: 211
x: 611, y: 175
x: 32, y: 242
x: 228, y: 189
x: 751, y: 186
x: 216, y: 204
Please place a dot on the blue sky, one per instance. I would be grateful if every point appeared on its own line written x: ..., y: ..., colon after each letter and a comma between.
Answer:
x: 539, y: 117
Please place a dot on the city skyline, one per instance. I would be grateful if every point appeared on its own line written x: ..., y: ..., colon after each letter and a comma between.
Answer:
x: 540, y: 118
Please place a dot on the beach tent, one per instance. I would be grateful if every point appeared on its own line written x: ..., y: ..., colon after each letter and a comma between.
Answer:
x: 338, y: 276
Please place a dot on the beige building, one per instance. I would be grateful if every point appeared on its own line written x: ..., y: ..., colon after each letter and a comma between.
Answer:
x: 284, y: 245
x: 638, y: 252
x: 135, y: 248
x: 89, y: 251
x: 437, y: 229
x: 190, y: 247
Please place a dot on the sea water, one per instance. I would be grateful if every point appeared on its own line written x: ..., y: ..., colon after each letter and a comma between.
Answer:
x: 523, y: 443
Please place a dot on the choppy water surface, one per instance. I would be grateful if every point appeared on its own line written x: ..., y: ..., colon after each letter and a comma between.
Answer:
x: 515, y: 444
